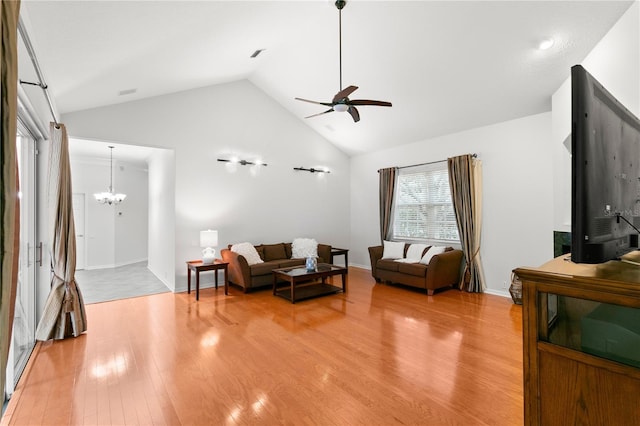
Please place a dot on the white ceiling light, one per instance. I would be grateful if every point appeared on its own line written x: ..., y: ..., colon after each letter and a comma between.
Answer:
x: 340, y: 107
x: 110, y: 197
x: 546, y: 44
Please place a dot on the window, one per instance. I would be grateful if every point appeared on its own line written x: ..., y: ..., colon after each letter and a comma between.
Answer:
x: 422, y: 205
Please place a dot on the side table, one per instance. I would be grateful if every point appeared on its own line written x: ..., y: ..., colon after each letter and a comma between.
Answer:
x: 335, y: 251
x: 198, y: 266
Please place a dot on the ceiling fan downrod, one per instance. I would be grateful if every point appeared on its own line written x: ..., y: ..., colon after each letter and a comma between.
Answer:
x: 341, y: 101
x: 340, y: 4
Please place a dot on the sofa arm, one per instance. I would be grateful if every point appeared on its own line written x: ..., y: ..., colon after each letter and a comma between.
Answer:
x: 324, y: 253
x: 375, y: 254
x: 444, y: 269
x: 239, y: 271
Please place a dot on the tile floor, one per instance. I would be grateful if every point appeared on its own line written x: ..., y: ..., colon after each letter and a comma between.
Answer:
x: 103, y: 285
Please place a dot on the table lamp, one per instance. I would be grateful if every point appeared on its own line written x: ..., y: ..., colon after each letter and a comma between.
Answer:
x: 208, y: 240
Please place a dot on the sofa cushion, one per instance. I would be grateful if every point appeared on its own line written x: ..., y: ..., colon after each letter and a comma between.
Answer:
x: 290, y: 263
x: 274, y: 252
x: 287, y: 250
x: 393, y: 250
x: 248, y: 251
x: 264, y: 268
x: 260, y: 250
x: 387, y: 264
x: 416, y: 269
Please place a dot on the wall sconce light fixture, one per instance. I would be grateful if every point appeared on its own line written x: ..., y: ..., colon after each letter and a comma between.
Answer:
x: 312, y: 170
x: 242, y: 162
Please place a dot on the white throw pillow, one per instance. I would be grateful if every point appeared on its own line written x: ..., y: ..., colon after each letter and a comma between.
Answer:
x: 304, y: 247
x: 248, y: 251
x: 393, y: 250
x: 415, y: 251
x: 432, y: 252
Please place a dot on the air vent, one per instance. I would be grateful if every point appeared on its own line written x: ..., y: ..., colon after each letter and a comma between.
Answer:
x: 127, y: 92
x: 256, y: 53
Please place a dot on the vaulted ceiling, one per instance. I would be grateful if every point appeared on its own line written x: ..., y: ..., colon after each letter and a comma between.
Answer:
x: 446, y: 66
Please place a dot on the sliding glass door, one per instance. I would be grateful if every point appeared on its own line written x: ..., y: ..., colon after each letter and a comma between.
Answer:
x: 24, y: 323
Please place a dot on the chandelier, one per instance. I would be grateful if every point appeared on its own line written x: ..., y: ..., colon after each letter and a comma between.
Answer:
x: 110, y: 197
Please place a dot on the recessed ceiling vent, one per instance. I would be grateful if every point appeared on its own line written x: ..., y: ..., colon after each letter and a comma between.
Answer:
x: 256, y: 53
x: 127, y: 92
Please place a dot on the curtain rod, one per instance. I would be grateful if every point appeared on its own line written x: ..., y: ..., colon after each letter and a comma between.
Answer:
x: 32, y: 54
x: 431, y: 162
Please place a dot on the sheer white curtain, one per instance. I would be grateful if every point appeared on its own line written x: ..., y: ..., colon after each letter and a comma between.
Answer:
x: 64, y: 313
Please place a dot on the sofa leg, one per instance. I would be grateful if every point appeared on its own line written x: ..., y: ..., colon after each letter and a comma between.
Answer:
x: 430, y: 292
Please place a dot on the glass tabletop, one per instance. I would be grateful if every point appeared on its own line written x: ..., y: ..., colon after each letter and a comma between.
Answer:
x: 301, y: 270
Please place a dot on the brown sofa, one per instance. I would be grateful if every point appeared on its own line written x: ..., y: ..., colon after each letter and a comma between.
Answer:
x: 442, y: 271
x: 274, y: 256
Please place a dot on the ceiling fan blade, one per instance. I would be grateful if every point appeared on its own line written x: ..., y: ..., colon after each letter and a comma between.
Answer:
x: 368, y: 102
x: 344, y: 93
x: 321, y: 113
x: 314, y: 102
x: 354, y: 113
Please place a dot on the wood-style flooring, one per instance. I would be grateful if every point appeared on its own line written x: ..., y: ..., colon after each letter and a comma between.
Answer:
x: 377, y: 355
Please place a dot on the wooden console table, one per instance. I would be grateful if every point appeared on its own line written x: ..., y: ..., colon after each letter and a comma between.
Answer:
x: 197, y: 266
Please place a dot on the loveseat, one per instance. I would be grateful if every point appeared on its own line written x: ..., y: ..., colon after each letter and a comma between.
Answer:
x: 274, y: 256
x: 442, y: 270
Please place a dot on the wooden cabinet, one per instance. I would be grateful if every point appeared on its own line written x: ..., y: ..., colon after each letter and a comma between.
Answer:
x: 581, y: 331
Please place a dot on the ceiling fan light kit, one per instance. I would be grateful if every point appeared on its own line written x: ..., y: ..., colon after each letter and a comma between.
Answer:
x: 341, y: 101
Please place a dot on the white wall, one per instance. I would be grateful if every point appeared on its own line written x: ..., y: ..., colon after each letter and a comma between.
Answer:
x: 517, y: 200
x: 201, y: 125
x: 162, y: 216
x: 111, y: 239
x: 615, y: 63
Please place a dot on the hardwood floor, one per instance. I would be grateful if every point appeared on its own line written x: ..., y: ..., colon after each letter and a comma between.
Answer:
x: 376, y: 355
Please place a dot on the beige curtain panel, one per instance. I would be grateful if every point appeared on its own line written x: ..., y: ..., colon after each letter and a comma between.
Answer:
x: 64, y: 314
x: 387, y: 185
x: 9, y: 204
x: 465, y: 179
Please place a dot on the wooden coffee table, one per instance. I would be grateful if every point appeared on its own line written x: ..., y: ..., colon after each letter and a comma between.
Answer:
x: 303, y: 283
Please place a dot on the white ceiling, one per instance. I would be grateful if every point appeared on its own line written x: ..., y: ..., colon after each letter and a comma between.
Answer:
x: 446, y: 66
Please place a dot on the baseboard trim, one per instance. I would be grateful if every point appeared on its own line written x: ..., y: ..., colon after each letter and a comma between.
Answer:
x: 162, y: 280
x: 498, y: 293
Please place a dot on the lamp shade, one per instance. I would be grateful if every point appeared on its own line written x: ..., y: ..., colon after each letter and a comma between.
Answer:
x: 208, y: 238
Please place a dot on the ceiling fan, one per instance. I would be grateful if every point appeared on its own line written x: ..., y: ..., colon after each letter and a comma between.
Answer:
x: 341, y: 101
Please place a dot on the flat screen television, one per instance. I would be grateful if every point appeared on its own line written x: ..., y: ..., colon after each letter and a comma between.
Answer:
x: 605, y: 150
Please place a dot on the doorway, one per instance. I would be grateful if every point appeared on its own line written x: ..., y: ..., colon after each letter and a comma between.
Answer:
x: 78, y: 217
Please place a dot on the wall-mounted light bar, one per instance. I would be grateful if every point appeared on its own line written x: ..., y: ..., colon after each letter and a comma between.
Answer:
x: 242, y: 162
x: 312, y: 170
